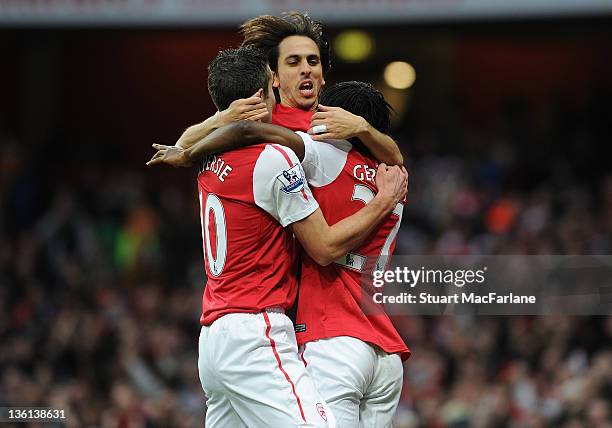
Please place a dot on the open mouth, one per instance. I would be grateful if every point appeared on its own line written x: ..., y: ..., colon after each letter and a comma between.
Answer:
x: 306, y: 88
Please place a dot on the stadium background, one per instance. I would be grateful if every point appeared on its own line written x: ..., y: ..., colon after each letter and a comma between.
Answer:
x: 505, y: 130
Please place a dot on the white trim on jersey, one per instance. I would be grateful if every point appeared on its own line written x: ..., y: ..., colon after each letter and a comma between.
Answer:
x: 279, y: 186
x: 323, y: 161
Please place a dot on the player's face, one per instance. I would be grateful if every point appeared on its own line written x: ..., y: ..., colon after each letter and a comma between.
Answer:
x: 300, y: 74
x: 270, y: 100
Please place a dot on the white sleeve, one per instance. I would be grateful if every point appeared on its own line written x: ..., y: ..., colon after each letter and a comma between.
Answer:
x: 323, y: 161
x: 280, y: 187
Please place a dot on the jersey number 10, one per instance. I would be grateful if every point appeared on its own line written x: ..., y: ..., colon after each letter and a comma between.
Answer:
x: 216, y: 263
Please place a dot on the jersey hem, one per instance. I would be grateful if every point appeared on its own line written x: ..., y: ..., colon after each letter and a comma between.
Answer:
x: 403, y: 351
x: 210, y: 319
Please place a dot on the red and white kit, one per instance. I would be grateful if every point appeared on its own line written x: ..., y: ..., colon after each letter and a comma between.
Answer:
x: 355, y: 359
x: 248, y: 361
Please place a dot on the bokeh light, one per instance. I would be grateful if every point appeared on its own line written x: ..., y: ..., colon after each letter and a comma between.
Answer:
x: 400, y: 75
x: 353, y: 45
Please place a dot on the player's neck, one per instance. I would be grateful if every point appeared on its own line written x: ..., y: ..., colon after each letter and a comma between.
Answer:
x: 313, y: 107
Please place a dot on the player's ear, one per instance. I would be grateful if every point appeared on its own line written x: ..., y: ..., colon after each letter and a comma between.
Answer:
x: 275, y: 81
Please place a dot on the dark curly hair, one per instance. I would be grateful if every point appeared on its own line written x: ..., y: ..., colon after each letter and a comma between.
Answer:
x: 361, y: 99
x: 267, y: 32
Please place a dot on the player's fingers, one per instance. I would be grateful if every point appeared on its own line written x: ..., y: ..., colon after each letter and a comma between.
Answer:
x: 258, y: 116
x: 160, y: 147
x: 156, y: 155
x: 255, y: 110
x: 324, y: 121
x: 391, y: 173
x: 394, y: 173
x: 253, y: 99
x: 404, y: 177
x: 257, y: 98
x: 255, y: 114
x: 317, y: 122
x: 403, y: 185
x: 255, y: 105
x: 245, y: 104
x: 321, y: 107
x: 397, y: 172
x: 324, y: 137
x: 246, y: 111
x: 154, y: 161
x: 381, y: 171
x: 320, y: 115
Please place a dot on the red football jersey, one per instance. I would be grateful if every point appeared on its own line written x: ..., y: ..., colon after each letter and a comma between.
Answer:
x: 247, y: 197
x: 291, y: 118
x: 330, y: 297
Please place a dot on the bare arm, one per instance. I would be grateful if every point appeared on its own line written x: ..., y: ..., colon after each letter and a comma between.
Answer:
x: 246, y: 133
x: 382, y: 147
x: 200, y: 130
x: 252, y: 108
x: 232, y: 136
x: 326, y: 243
x: 342, y: 124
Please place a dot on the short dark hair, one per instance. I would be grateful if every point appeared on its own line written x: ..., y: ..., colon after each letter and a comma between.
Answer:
x: 361, y: 99
x: 237, y: 73
x: 267, y: 32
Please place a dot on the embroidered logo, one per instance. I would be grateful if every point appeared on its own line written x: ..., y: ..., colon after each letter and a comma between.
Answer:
x: 291, y: 179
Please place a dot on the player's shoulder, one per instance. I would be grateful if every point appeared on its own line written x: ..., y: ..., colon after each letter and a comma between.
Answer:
x: 246, y: 153
x: 326, y: 154
x: 276, y: 161
x: 324, y: 161
x: 232, y: 166
x: 277, y: 156
x: 241, y: 159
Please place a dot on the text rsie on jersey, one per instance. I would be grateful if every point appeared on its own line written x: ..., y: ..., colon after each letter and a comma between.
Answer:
x: 217, y: 166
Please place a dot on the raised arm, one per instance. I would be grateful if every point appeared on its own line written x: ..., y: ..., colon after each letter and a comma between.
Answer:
x: 341, y: 125
x: 252, y: 108
x: 326, y: 243
x: 200, y: 130
x: 232, y: 136
x: 246, y: 133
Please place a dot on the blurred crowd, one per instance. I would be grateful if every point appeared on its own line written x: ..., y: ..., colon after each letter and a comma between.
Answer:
x: 101, y: 274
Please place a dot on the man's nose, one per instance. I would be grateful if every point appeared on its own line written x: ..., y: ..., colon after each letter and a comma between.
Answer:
x: 305, y: 68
